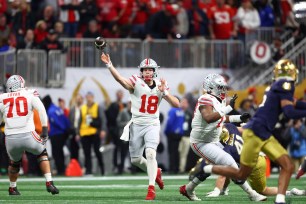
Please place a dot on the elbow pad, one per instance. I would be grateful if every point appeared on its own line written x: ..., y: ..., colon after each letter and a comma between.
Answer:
x: 293, y: 113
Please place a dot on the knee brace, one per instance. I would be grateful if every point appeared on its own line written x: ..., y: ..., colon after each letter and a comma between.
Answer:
x: 15, y: 167
x: 238, y: 182
x: 150, y: 154
x: 43, y: 156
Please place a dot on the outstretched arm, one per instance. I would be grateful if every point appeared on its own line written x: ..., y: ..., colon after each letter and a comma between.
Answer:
x: 172, y: 100
x: 117, y: 76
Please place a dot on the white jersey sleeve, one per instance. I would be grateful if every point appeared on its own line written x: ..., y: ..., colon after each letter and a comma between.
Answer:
x: 17, y: 111
x: 203, y: 132
x: 145, y: 102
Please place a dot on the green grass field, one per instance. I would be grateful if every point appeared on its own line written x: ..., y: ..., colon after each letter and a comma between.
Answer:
x: 125, y: 189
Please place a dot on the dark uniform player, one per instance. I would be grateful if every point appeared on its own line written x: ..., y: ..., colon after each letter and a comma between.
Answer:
x: 257, y: 134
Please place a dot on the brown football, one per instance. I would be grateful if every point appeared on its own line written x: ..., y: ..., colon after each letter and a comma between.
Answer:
x: 100, y: 43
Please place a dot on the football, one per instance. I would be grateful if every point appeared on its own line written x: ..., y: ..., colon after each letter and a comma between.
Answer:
x: 100, y: 43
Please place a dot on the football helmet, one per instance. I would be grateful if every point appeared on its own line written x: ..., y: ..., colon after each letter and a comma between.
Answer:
x: 225, y: 137
x: 15, y: 83
x: 285, y: 69
x: 149, y: 63
x: 215, y: 85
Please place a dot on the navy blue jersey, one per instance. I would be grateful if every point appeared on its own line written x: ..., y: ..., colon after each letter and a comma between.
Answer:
x: 235, y: 148
x: 267, y: 115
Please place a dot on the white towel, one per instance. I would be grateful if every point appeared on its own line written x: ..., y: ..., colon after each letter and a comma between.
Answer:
x: 126, y: 132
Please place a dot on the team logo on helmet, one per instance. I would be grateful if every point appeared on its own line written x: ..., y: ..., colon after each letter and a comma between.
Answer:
x: 15, y: 83
x: 149, y: 63
x: 215, y: 85
x: 285, y: 68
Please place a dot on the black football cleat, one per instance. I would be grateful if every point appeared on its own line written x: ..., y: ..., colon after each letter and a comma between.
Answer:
x: 13, y: 191
x: 51, y: 188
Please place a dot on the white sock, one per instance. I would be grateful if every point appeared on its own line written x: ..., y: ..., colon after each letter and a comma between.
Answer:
x: 246, y: 187
x: 48, y: 177
x: 193, y: 184
x: 13, y: 184
x: 280, y: 198
x: 208, y: 169
x: 151, y: 165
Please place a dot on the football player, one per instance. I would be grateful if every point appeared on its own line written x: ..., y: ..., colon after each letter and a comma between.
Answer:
x: 257, y: 133
x: 210, y: 114
x: 301, y: 170
x: 146, y: 93
x: 16, y: 107
x: 233, y: 143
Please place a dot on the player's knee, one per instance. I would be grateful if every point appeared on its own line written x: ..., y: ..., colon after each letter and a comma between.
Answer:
x: 135, y: 160
x: 238, y: 181
x: 43, y: 156
x: 150, y: 154
x: 14, y: 167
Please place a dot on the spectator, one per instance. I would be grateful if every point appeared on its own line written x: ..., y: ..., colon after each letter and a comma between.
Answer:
x: 184, y: 144
x: 62, y: 105
x: 89, y: 55
x: 91, y: 132
x: 111, y: 114
x: 92, y: 30
x: 51, y: 42
x: 69, y: 15
x: 22, y: 21
x: 182, y: 24
x: 49, y: 17
x: 5, y: 30
x: 198, y: 22
x: 88, y: 12
x: 174, y: 132
x: 277, y: 51
x: 28, y: 41
x: 123, y: 118
x: 40, y: 31
x: 4, y: 46
x: 59, y: 29
x: 297, y: 133
x: 74, y: 118
x: 139, y: 18
x: 109, y: 10
x: 59, y: 126
x: 247, y: 21
x: 3, y: 6
x: 265, y: 13
x: 246, y: 106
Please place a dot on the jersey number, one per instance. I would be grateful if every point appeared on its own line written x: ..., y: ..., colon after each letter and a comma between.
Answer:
x: 16, y: 102
x: 152, y: 104
x: 238, y: 143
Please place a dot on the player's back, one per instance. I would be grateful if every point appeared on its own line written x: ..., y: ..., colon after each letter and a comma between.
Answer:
x: 17, y: 111
x: 201, y: 130
x: 145, y: 102
x: 269, y: 111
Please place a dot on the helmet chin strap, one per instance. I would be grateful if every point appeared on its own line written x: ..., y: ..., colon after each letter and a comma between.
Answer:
x: 147, y: 78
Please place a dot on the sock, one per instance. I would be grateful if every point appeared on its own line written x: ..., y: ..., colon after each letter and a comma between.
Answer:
x: 48, y: 177
x: 13, y: 184
x: 151, y: 165
x: 246, y: 187
x: 193, y: 184
x: 208, y: 169
x: 280, y: 198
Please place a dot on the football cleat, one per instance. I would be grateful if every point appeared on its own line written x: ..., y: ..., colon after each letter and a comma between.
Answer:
x: 224, y: 191
x: 297, y: 192
x: 51, y: 188
x: 190, y: 195
x: 257, y: 197
x: 151, y: 193
x: 159, y: 179
x: 300, y: 173
x: 13, y: 191
x: 215, y: 193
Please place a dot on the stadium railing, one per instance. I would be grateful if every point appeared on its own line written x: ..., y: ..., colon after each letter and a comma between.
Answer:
x: 177, y: 53
x: 7, y: 64
x: 56, y: 68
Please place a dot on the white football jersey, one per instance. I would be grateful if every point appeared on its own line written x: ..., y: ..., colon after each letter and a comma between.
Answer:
x: 202, y: 132
x: 145, y: 102
x: 17, y: 110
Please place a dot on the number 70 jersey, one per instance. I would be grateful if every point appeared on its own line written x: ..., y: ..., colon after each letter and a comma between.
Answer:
x: 145, y: 102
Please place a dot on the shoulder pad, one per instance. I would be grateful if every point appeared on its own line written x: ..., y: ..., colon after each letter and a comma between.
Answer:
x: 34, y: 92
x: 283, y: 86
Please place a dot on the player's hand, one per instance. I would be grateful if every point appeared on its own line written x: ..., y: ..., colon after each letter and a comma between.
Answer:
x: 162, y: 87
x: 106, y: 58
x: 245, y: 117
x: 44, y: 135
x: 233, y: 100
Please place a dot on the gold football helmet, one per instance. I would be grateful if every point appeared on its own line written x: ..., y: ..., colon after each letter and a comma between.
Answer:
x: 225, y: 137
x: 285, y: 68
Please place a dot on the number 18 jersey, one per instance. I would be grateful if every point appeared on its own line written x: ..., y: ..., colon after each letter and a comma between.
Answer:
x: 17, y: 109
x: 203, y: 132
x: 145, y: 102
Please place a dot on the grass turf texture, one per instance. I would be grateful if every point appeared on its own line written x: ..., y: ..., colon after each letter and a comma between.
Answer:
x: 127, y: 189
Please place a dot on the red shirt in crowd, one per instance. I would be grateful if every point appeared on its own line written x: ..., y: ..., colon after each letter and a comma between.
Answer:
x: 40, y: 35
x: 109, y: 9
x: 3, y: 6
x: 127, y: 6
x: 141, y: 16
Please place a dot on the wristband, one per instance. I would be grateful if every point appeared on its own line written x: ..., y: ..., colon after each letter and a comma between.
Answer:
x: 225, y: 110
x: 109, y: 65
x: 234, y: 118
x: 165, y: 93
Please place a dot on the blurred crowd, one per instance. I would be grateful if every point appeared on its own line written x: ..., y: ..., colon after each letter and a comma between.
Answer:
x: 40, y: 23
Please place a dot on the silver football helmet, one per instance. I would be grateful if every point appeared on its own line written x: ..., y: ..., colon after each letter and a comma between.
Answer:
x: 215, y: 85
x: 149, y: 63
x: 15, y: 83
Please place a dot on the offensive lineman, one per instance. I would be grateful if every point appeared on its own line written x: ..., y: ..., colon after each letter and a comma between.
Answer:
x: 209, y: 115
x: 16, y: 107
x: 146, y: 94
